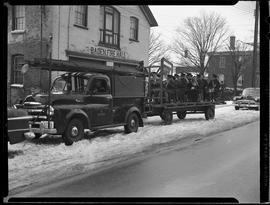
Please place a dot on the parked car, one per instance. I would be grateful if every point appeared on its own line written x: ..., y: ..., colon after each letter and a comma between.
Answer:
x: 250, y: 99
x: 18, y: 124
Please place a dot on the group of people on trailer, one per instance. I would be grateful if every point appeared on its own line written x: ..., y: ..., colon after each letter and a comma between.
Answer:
x: 184, y: 88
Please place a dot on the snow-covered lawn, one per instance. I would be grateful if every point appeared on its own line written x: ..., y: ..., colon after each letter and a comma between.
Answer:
x: 48, y: 159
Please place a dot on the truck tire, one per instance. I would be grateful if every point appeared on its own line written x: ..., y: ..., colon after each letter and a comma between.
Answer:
x: 236, y: 108
x: 167, y: 116
x: 210, y: 113
x: 73, y: 132
x: 181, y: 114
x: 132, y: 123
x: 37, y: 135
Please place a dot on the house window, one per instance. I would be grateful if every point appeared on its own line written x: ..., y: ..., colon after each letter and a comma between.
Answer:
x: 81, y: 16
x: 110, y: 26
x: 18, y: 18
x: 134, y: 23
x: 17, y: 63
x: 222, y: 62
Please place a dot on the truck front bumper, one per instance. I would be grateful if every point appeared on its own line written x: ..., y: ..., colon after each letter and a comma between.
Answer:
x: 43, y: 128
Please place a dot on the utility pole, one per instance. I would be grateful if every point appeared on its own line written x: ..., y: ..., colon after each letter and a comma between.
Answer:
x: 255, y: 43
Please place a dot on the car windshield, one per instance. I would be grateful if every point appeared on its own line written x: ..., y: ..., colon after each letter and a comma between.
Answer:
x: 253, y: 92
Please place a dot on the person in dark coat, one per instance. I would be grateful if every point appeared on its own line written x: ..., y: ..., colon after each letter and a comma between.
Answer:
x: 214, y: 86
x: 155, y: 85
x: 171, y: 86
x: 202, y: 84
x: 206, y: 89
x: 184, y: 87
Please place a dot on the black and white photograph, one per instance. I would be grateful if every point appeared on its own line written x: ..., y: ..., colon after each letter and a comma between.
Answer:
x: 134, y: 101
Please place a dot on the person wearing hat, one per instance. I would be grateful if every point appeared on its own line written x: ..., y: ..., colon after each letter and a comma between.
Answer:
x: 155, y: 85
x: 202, y: 84
x: 214, y: 86
x: 171, y: 87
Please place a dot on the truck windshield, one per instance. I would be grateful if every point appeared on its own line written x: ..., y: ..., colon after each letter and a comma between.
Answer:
x: 72, y: 82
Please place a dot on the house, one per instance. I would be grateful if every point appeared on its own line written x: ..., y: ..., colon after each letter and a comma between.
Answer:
x: 221, y: 64
x: 186, y: 69
x: 98, y: 35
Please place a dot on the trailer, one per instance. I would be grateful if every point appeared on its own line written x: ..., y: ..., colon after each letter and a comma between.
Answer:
x: 158, y: 105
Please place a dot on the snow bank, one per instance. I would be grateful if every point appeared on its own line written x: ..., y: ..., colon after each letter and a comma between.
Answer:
x: 48, y: 159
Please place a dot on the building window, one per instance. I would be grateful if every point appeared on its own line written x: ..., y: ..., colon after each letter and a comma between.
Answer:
x: 16, y: 74
x: 81, y: 16
x: 222, y: 62
x: 110, y: 26
x: 18, y: 17
x: 134, y: 26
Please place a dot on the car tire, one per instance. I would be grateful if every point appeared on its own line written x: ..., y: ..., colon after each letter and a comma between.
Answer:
x: 210, y: 113
x: 181, y: 114
x: 132, y: 123
x: 236, y: 108
x: 73, y: 132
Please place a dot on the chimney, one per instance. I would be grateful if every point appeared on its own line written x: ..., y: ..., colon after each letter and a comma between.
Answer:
x: 232, y: 42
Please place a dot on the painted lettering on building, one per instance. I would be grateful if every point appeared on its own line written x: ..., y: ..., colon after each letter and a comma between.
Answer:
x: 107, y: 52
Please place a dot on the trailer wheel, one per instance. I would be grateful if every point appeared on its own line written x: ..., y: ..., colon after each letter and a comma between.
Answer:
x: 74, y: 131
x: 181, y: 114
x: 37, y: 135
x: 236, y: 108
x: 132, y: 123
x: 167, y: 116
x: 210, y: 113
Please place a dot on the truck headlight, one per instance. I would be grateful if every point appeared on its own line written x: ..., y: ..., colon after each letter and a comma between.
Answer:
x: 50, y: 110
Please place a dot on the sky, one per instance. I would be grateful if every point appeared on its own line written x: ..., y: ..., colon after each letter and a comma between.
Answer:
x: 240, y: 18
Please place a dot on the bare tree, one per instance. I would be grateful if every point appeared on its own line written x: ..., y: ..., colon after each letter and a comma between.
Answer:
x: 157, y: 49
x: 240, y: 57
x: 199, y: 39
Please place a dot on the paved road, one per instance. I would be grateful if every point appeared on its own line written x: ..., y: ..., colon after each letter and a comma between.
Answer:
x: 224, y: 165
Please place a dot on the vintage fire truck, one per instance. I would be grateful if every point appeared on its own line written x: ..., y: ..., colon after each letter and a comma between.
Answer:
x: 91, y: 98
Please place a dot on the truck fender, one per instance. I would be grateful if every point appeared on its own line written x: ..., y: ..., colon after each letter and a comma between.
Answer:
x: 138, y: 112
x: 80, y: 114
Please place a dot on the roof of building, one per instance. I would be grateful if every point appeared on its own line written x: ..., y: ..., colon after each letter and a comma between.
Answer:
x: 149, y: 15
x: 186, y: 69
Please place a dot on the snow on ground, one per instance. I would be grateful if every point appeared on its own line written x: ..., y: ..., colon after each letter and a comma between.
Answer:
x: 48, y: 159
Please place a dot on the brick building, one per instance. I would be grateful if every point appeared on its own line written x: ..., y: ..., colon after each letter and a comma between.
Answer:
x: 98, y: 35
x: 222, y: 62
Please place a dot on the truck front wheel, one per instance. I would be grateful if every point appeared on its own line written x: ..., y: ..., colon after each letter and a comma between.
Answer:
x: 132, y: 123
x: 74, y: 132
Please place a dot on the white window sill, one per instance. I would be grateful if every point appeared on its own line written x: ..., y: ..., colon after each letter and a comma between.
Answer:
x: 17, y: 31
x: 16, y: 85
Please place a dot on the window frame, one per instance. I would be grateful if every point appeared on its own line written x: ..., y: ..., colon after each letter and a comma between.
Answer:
x: 84, y: 20
x: 15, y: 70
x: 136, y: 29
x: 108, y: 87
x: 114, y: 31
x: 15, y: 17
x: 222, y: 62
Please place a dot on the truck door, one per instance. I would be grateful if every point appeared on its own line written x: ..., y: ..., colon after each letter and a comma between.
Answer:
x: 100, y: 98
